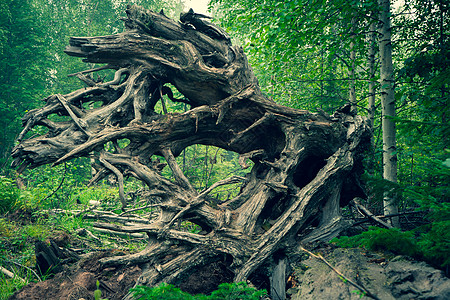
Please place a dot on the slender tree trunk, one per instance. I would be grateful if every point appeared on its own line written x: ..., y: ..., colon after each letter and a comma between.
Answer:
x: 371, y: 40
x: 351, y: 70
x: 388, y: 107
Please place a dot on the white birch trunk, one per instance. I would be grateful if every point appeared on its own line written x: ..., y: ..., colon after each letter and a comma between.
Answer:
x: 388, y: 106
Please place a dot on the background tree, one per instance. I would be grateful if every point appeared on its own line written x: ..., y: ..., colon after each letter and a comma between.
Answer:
x: 33, y: 35
x: 298, y: 33
x: 23, y: 61
x: 388, y: 106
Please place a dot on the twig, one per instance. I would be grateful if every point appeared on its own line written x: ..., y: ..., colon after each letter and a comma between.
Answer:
x: 104, y: 215
x: 124, y: 220
x: 79, y: 122
x: 361, y: 288
x: 119, y: 176
x: 59, y: 186
x: 84, y: 231
x: 368, y: 213
x: 389, y: 216
x: 91, y: 70
x: 116, y: 79
x: 29, y: 269
x: 12, y: 275
x: 177, y: 173
x: 200, y: 198
x: 120, y: 234
x: 136, y: 209
x: 231, y: 180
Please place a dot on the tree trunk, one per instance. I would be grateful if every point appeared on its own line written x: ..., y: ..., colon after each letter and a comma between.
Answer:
x: 388, y: 108
x: 306, y: 165
x: 371, y: 41
x: 351, y: 68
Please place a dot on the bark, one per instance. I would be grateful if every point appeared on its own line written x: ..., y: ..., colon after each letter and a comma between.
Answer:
x: 371, y: 41
x: 388, y: 107
x: 351, y: 70
x: 306, y: 165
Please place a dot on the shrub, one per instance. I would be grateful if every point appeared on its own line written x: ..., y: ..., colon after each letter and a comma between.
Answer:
x: 435, y: 244
x: 236, y: 291
x: 226, y: 291
x: 163, y: 291
x: 382, y: 239
x: 9, y: 194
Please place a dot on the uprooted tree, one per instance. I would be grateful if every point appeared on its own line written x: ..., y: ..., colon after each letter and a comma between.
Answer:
x: 306, y: 165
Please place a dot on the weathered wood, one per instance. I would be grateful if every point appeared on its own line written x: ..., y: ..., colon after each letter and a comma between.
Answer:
x: 306, y: 164
x: 278, y: 281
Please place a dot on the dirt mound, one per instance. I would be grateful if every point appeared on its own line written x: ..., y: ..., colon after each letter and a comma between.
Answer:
x: 397, y: 278
x: 79, y: 281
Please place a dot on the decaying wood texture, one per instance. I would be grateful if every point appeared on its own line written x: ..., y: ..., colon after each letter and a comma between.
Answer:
x: 306, y: 165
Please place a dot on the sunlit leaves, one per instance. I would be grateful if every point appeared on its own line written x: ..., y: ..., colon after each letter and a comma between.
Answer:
x: 300, y: 49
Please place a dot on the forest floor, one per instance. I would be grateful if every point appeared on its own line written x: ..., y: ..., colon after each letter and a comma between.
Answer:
x: 22, y: 229
x: 79, y: 281
x: 19, y: 232
x: 382, y: 273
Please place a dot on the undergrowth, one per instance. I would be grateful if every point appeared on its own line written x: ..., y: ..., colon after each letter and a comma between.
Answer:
x: 27, y: 216
x: 226, y: 291
x: 430, y: 240
x: 433, y: 245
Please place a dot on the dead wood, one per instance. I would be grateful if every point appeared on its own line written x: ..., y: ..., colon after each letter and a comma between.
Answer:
x: 368, y: 213
x: 306, y: 165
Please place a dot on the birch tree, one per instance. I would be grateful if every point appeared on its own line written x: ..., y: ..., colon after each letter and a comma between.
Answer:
x: 388, y: 106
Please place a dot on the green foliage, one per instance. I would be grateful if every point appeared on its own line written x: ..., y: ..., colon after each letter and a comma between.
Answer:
x: 9, y: 285
x: 382, y: 239
x: 163, y: 291
x: 205, y: 165
x: 54, y: 187
x: 98, y: 292
x: 435, y: 244
x: 103, y: 193
x: 299, y: 49
x: 360, y: 293
x: 17, y: 244
x: 226, y: 291
x: 23, y: 61
x: 6, y: 228
x: 236, y: 291
x: 432, y: 245
x: 9, y: 195
x: 432, y: 189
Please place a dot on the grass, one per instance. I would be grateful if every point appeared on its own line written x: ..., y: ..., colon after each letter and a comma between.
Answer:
x: 26, y: 216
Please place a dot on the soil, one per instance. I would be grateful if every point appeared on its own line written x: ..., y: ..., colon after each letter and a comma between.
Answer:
x: 79, y: 281
x: 387, y: 277
x: 207, y: 278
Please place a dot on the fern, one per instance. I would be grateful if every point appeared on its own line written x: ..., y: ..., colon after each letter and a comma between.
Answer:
x: 226, y: 291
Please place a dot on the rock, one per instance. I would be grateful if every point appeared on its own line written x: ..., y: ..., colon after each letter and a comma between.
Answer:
x: 416, y: 280
x: 399, y: 279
